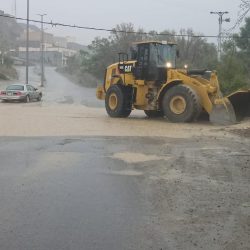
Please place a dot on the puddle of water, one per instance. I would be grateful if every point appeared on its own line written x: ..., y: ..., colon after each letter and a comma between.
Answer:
x: 126, y: 173
x: 130, y: 157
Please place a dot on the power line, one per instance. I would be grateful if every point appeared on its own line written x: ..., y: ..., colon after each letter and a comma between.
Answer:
x: 55, y: 24
x: 244, y: 9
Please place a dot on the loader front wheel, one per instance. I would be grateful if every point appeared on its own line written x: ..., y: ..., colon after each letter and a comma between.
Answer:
x: 116, y: 102
x: 181, y: 104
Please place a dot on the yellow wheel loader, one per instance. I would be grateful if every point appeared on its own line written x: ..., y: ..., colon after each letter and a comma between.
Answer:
x: 150, y: 81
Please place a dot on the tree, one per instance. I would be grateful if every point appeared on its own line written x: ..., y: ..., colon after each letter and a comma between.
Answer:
x: 242, y: 39
x: 123, y: 35
x: 102, y: 53
x: 243, y: 44
x: 232, y: 75
x: 195, y: 51
x: 234, y: 67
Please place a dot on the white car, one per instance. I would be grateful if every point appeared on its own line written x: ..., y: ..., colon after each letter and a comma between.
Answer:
x: 20, y: 92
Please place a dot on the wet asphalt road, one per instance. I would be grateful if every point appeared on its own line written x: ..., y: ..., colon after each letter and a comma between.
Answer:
x: 61, y: 193
x: 109, y: 193
x: 61, y: 90
x: 66, y: 193
x: 57, y: 88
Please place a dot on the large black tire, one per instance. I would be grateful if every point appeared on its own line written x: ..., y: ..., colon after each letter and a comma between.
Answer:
x: 181, y: 104
x: 153, y: 113
x: 118, y: 101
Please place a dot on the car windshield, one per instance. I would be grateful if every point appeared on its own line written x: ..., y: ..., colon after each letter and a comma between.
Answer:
x: 15, y: 87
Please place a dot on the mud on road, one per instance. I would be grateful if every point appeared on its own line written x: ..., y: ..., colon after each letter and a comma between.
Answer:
x: 199, y: 191
x: 195, y: 178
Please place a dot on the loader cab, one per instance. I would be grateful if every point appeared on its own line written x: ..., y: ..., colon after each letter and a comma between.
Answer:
x: 153, y: 60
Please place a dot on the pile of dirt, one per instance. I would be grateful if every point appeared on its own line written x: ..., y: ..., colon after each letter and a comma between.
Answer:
x: 245, y: 132
x: 8, y: 72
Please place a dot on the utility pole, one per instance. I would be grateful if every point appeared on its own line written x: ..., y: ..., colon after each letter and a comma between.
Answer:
x: 42, y: 50
x: 27, y: 43
x: 221, y: 20
x: 15, y: 8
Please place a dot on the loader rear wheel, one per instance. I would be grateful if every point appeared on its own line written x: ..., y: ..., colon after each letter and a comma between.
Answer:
x: 181, y: 104
x: 117, y: 101
x: 153, y: 113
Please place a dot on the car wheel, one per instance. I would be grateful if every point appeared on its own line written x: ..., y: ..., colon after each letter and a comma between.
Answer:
x: 39, y: 98
x: 27, y: 99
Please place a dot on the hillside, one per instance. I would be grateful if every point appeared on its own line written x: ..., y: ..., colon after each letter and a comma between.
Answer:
x: 9, y: 32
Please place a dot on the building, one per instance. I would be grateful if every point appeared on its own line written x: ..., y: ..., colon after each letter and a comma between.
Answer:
x: 53, y: 56
x: 60, y: 42
x: 35, y: 39
x: 56, y: 49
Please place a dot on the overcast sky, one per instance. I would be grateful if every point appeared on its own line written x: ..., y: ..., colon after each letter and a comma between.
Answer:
x: 148, y: 14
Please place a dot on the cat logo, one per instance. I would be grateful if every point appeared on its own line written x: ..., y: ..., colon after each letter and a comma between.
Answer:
x: 127, y: 68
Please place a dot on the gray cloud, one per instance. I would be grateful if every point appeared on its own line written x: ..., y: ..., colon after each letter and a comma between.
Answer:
x: 148, y: 14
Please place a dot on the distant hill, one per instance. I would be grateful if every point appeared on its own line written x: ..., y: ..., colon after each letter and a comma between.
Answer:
x: 9, y: 32
x: 32, y: 27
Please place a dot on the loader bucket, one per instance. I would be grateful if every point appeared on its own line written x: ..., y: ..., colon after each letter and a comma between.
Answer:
x: 241, y: 103
x: 223, y: 113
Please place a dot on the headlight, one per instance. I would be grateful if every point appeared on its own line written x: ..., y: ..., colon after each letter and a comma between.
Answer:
x: 169, y: 65
x: 185, y: 66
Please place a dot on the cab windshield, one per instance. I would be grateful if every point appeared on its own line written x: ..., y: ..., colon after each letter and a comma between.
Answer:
x: 164, y: 55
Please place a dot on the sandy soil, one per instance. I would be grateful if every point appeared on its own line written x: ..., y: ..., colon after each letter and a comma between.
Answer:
x: 38, y: 119
x: 197, y: 187
x: 195, y: 176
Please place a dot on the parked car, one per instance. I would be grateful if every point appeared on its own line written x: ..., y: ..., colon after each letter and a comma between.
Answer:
x: 20, y: 92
